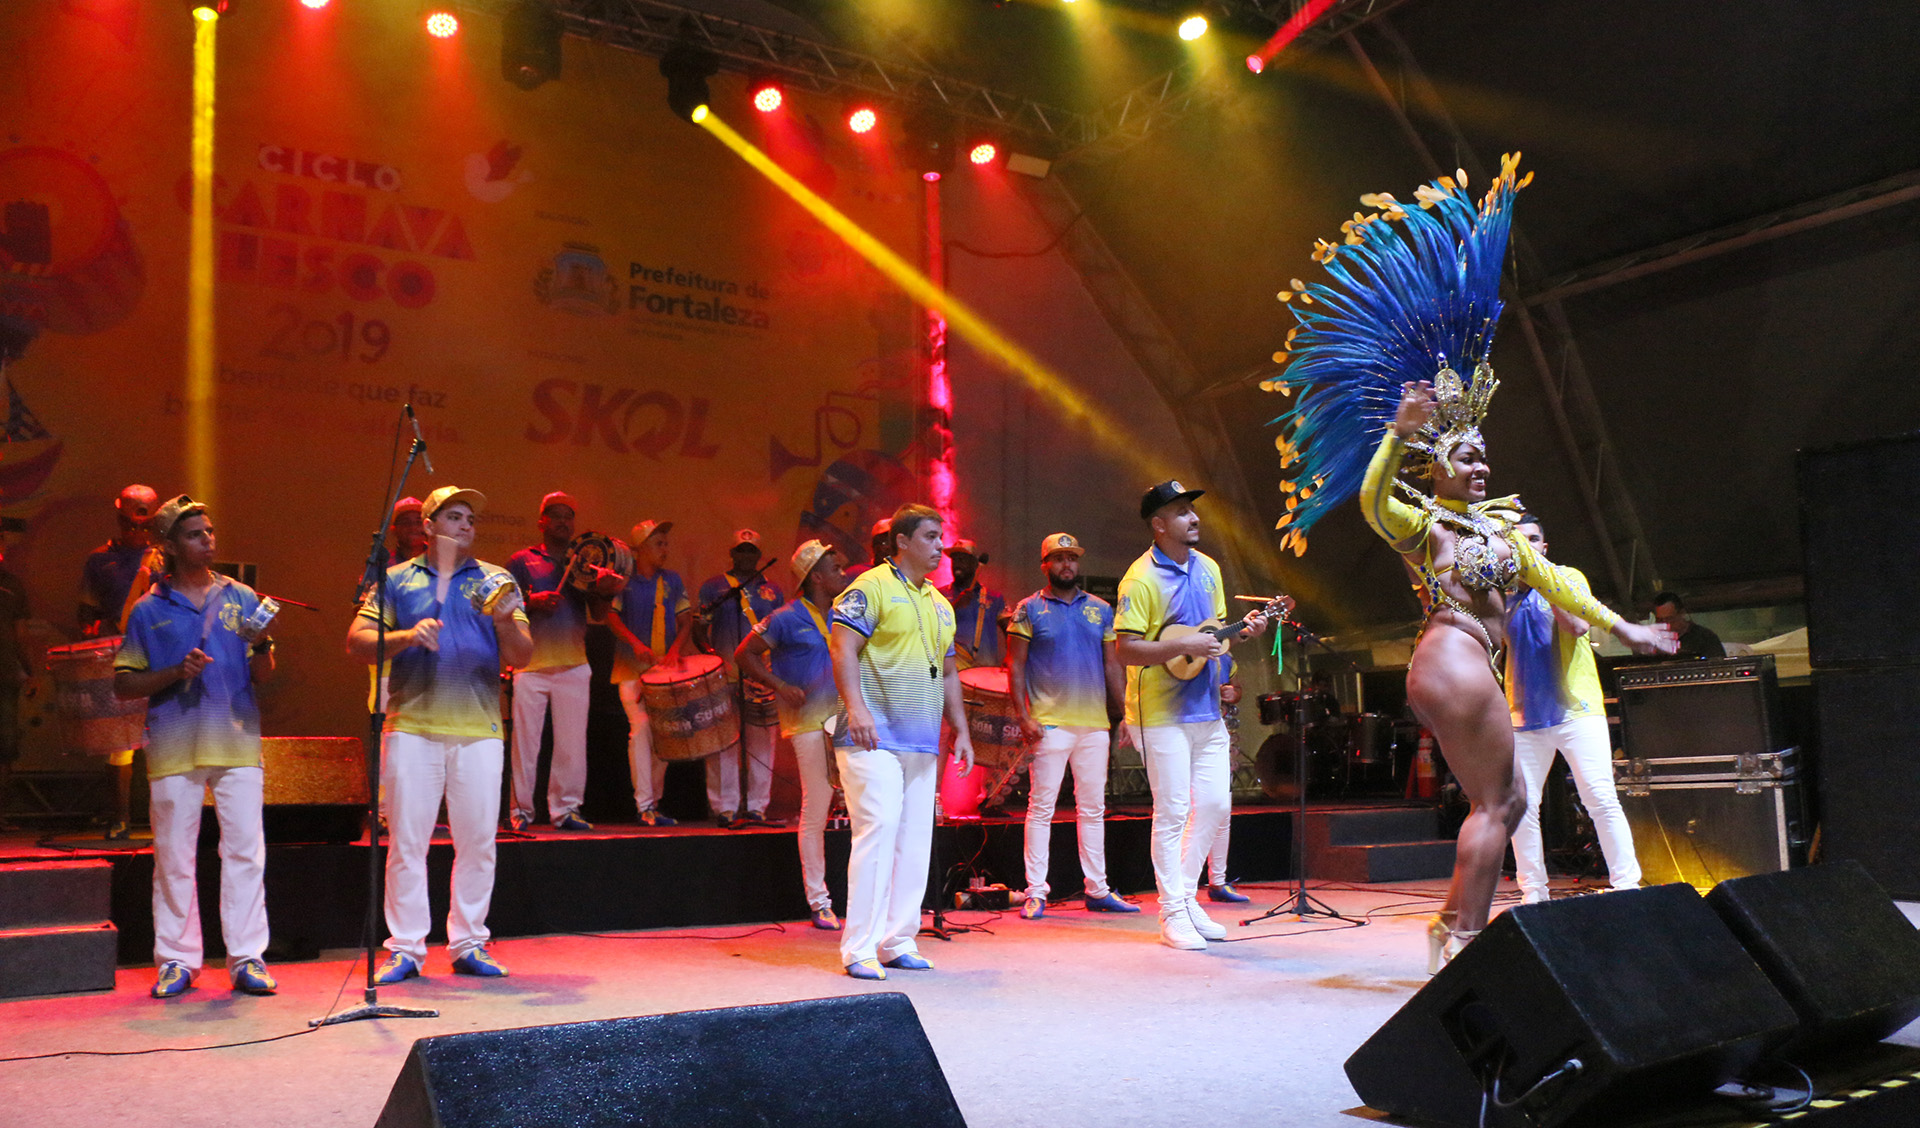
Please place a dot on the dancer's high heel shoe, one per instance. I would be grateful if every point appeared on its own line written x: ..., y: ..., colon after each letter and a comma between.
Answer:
x: 1444, y: 942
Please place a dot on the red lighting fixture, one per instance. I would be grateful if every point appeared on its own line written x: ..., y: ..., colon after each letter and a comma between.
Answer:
x: 767, y: 98
x: 983, y: 153
x: 930, y: 177
x: 862, y: 120
x: 443, y: 24
x: 1288, y: 32
x: 316, y: 5
x: 1256, y: 64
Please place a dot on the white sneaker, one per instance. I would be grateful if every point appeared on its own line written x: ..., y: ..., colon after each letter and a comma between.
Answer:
x: 1176, y: 931
x: 1207, y: 927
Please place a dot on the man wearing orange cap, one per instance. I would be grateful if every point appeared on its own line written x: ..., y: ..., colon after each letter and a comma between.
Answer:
x: 801, y: 674
x: 452, y: 622
x: 740, y: 599
x: 650, y: 624
x: 409, y: 530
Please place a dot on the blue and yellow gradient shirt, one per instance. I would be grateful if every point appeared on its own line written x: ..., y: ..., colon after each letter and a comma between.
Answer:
x: 1066, y: 656
x: 211, y: 721
x: 909, y: 633
x: 559, y: 637
x: 739, y: 613
x: 796, y: 636
x: 454, y: 691
x: 976, y: 625
x: 651, y: 607
x: 1157, y: 593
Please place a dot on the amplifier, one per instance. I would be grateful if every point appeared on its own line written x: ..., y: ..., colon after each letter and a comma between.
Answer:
x: 1700, y: 707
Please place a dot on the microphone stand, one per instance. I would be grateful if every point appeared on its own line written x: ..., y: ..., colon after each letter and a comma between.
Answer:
x: 1300, y: 903
x: 373, y: 579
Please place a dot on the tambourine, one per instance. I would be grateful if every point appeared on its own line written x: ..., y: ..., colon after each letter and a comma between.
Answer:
x: 487, y: 594
x: 255, y: 622
x: 592, y: 553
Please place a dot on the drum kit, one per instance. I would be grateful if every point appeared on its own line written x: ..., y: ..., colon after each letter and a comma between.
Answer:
x: 1346, y: 754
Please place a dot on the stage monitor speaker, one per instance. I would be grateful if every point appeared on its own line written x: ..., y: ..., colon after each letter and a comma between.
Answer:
x: 1869, y: 777
x: 859, y: 1060
x: 1645, y: 988
x: 1835, y: 945
x: 1862, y: 555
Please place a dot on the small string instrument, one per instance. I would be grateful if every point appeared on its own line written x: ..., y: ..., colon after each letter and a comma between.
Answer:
x: 1186, y: 667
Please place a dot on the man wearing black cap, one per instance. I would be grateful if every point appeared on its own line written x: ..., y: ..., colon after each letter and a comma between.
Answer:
x: 556, y: 675
x: 1177, y: 724
x: 979, y: 615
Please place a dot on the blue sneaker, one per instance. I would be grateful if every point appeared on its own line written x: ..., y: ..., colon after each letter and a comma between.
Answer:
x: 173, y: 980
x: 476, y: 961
x: 516, y: 822
x: 1034, y: 908
x: 1110, y: 904
x: 824, y: 920
x: 651, y: 817
x: 251, y: 977
x: 571, y: 821
x: 1226, y: 894
x: 909, y: 961
x: 866, y: 969
x: 395, y: 968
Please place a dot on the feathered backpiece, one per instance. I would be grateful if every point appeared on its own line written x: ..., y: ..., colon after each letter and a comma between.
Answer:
x: 1413, y: 292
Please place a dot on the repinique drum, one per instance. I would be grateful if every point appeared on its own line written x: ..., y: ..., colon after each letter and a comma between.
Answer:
x: 759, y: 705
x: 91, y: 718
x: 690, y: 706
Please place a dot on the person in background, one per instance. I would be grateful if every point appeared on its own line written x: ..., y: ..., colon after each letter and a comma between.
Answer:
x: 979, y: 615
x: 1219, y: 888
x: 186, y: 653
x: 740, y: 599
x: 112, y: 580
x: 14, y: 673
x: 650, y: 624
x: 1696, y: 641
x: 878, y: 539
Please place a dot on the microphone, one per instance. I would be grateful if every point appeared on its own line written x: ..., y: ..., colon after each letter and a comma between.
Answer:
x: 415, y: 420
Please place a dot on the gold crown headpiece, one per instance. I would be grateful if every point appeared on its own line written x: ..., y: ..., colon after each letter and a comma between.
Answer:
x: 1462, y: 405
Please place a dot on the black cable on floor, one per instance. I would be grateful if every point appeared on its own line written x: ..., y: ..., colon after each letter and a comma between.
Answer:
x: 774, y: 927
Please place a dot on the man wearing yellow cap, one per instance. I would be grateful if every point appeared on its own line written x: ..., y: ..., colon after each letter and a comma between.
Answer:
x: 740, y: 599
x: 451, y: 623
x: 801, y: 675
x: 650, y: 624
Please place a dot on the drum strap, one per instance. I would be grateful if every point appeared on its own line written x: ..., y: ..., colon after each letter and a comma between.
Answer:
x: 746, y: 609
x: 819, y: 620
x: 657, y: 638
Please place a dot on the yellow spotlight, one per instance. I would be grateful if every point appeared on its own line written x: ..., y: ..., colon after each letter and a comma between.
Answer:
x: 200, y: 325
x: 699, y: 114
x: 1193, y: 27
x: 205, y: 14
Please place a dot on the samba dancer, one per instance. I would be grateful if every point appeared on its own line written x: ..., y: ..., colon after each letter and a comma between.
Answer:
x: 1362, y: 346
x: 1177, y: 725
x: 801, y: 674
x: 556, y: 675
x: 740, y: 599
x: 650, y: 624
x: 1554, y: 697
x: 187, y: 650
x: 894, y: 664
x: 451, y: 623
x: 1066, y: 685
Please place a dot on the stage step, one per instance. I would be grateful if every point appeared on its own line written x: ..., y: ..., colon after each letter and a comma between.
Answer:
x: 1377, y: 844
x: 55, y: 937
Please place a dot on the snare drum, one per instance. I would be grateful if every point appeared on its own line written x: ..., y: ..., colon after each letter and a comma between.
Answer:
x: 690, y: 706
x: 590, y: 553
x: 91, y: 718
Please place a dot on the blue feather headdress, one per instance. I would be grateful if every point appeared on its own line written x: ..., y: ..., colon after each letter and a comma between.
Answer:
x: 1413, y: 293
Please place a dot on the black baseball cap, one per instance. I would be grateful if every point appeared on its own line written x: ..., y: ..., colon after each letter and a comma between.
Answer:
x: 1166, y: 493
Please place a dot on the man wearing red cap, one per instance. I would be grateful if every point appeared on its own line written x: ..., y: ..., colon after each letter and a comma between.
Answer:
x: 877, y: 538
x: 112, y: 580
x: 556, y: 675
x: 740, y: 599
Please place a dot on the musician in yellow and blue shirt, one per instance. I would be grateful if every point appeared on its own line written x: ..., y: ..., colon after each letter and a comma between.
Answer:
x: 1177, y: 724
x: 1066, y: 683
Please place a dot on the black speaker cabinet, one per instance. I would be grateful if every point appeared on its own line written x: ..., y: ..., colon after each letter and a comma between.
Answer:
x: 1870, y: 772
x: 1862, y: 554
x: 861, y: 1060
x: 1835, y: 945
x: 1646, y: 989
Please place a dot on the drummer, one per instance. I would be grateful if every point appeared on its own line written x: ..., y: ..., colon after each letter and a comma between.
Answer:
x: 184, y: 652
x: 112, y: 580
x: 739, y: 599
x: 1068, y: 692
x: 650, y: 625
x: 409, y: 530
x: 801, y: 675
x: 877, y: 539
x: 557, y: 674
x: 979, y: 615
x: 443, y: 729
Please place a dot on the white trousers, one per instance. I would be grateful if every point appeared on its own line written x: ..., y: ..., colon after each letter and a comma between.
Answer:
x: 890, y: 803
x: 565, y: 688
x: 1084, y: 748
x: 723, y: 773
x: 1583, y: 741
x: 419, y: 771
x: 175, y: 814
x: 1217, y: 857
x: 810, y: 752
x: 649, y: 774
x: 1190, y: 769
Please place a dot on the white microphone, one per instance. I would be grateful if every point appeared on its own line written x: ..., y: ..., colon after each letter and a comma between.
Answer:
x: 415, y: 420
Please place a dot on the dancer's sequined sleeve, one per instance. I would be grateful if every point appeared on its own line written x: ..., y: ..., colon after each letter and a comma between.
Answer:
x: 1399, y: 524
x: 1562, y: 587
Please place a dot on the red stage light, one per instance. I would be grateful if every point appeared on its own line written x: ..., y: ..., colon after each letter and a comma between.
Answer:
x: 862, y: 120
x: 930, y: 177
x: 1256, y: 64
x: 767, y: 98
x: 443, y: 25
x: 983, y: 153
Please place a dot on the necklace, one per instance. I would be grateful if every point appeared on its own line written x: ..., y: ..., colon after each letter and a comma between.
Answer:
x: 919, y: 624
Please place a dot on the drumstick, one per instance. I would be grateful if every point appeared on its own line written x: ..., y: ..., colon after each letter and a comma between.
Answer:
x: 445, y: 552
x: 565, y: 572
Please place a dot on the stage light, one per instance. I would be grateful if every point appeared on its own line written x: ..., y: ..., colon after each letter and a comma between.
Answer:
x: 930, y: 177
x: 862, y: 120
x: 1256, y: 64
x: 983, y: 153
x: 529, y: 43
x: 767, y: 98
x: 316, y: 5
x: 1193, y: 27
x: 443, y: 25
x: 206, y: 13
x: 686, y: 69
